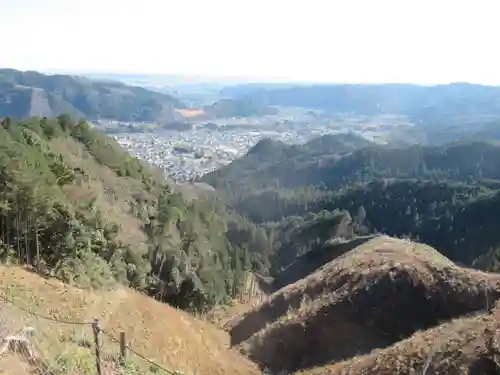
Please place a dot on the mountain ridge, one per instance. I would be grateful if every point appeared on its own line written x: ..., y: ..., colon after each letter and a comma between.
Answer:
x: 28, y: 94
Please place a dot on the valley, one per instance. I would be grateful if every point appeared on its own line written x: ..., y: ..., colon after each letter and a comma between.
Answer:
x: 298, y: 240
x: 249, y: 188
x: 188, y: 155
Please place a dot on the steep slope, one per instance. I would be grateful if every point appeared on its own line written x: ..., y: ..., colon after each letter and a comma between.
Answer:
x: 26, y: 94
x: 171, y: 338
x: 76, y: 206
x: 463, y: 346
x: 374, y: 295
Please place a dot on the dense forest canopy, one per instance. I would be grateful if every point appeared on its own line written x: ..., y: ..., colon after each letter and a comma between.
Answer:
x: 75, y: 205
x: 446, y: 196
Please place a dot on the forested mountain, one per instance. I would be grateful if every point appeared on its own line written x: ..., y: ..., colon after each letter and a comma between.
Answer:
x: 73, y: 204
x: 337, y: 168
x: 274, y: 164
x: 25, y: 94
x: 445, y: 196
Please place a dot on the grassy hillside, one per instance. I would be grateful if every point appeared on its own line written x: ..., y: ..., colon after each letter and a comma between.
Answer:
x: 367, y: 298
x: 169, y: 337
x: 462, y: 346
x: 26, y: 94
x: 76, y: 206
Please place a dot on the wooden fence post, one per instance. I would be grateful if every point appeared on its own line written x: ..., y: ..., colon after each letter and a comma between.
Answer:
x: 123, y: 346
x: 97, y: 330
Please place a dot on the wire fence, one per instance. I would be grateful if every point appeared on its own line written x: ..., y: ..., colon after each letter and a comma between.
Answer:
x: 37, y: 344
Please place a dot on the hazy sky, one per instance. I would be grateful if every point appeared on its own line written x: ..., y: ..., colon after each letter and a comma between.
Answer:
x: 422, y: 41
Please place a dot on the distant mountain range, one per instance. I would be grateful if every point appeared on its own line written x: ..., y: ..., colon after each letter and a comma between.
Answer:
x: 416, y: 101
x: 442, y: 112
x: 24, y: 94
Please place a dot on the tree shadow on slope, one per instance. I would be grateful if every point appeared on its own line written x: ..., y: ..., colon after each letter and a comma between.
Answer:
x: 484, y: 366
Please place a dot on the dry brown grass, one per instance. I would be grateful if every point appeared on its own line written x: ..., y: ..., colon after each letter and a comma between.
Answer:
x: 456, y: 347
x: 370, y: 297
x: 171, y: 337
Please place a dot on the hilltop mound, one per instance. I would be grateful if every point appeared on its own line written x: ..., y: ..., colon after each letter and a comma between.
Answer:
x: 170, y: 337
x: 312, y: 260
x: 461, y: 346
x: 26, y: 94
x: 375, y: 295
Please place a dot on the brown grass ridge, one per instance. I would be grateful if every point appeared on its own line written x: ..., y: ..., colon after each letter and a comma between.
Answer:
x: 371, y: 297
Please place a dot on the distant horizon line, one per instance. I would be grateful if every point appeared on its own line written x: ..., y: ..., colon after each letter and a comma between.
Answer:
x: 237, y: 79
